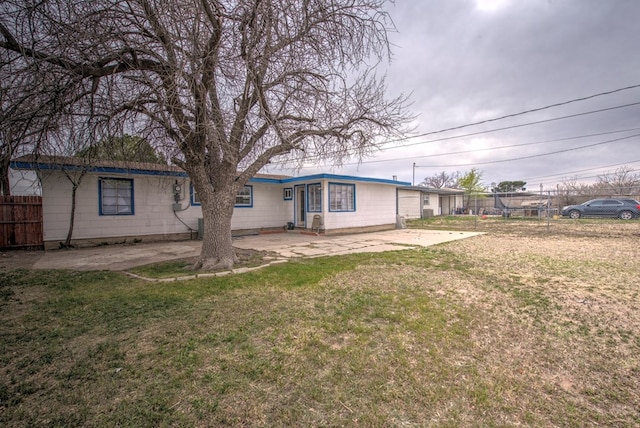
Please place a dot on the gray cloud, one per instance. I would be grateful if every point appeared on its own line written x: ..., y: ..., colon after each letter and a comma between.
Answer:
x: 462, y: 64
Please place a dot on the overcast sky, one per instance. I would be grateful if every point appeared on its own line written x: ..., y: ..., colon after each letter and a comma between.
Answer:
x: 464, y: 61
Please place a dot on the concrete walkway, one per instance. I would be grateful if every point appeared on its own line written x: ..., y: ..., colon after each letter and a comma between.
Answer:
x: 286, y: 245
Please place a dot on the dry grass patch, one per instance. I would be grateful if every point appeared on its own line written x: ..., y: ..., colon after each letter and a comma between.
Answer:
x: 582, y: 308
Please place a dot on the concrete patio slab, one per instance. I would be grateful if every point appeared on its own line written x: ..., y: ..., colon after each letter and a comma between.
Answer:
x: 287, y: 245
x: 117, y: 257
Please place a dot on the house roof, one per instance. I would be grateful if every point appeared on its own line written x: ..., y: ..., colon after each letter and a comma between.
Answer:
x: 141, y: 168
x: 442, y: 191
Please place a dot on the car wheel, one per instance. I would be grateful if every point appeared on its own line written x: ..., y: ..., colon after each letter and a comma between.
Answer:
x: 574, y: 214
x: 626, y: 215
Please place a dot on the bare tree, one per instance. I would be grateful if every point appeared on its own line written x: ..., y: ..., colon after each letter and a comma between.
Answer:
x: 69, y: 154
x: 30, y: 106
x: 622, y: 181
x: 225, y: 86
x: 568, y: 190
x: 442, y: 179
x: 17, y: 107
x: 77, y: 139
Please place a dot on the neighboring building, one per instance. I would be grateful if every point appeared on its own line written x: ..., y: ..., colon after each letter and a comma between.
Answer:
x: 24, y: 183
x: 422, y: 202
x: 141, y: 201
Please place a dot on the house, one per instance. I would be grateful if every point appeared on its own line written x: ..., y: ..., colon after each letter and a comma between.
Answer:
x: 421, y: 202
x: 127, y: 201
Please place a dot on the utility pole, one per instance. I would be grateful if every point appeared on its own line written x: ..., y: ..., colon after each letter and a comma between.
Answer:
x: 413, y: 181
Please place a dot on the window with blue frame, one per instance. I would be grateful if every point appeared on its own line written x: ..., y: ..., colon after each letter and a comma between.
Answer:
x: 116, y: 196
x: 287, y: 193
x: 195, y: 199
x: 342, y: 197
x: 244, y: 198
x: 314, y: 198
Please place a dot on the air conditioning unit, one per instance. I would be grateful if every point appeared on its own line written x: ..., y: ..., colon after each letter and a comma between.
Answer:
x: 317, y: 222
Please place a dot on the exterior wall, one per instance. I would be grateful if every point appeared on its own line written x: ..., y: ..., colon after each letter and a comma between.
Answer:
x: 269, y: 209
x: 434, y: 204
x: 409, y: 204
x: 154, y: 218
x: 153, y: 207
x: 375, y: 205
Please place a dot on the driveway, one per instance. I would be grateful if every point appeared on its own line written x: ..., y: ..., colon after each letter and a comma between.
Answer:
x: 286, y: 245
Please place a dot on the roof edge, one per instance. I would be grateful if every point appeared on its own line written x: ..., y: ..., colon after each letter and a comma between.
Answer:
x: 52, y: 163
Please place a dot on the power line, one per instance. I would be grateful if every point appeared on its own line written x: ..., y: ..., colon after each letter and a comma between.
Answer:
x: 537, y: 122
x: 583, y: 170
x: 581, y: 177
x: 312, y: 157
x: 522, y: 112
x: 532, y: 156
x: 499, y: 147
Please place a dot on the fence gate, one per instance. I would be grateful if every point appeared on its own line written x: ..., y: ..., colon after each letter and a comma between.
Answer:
x: 21, y: 222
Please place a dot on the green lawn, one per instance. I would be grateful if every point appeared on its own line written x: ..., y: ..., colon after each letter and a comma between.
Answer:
x: 445, y: 336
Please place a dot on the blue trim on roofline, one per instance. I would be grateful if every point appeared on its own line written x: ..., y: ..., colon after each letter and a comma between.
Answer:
x: 99, y: 169
x: 343, y: 177
x: 265, y: 180
x: 113, y: 170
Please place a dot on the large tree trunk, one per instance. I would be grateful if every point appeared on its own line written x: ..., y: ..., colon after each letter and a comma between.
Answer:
x: 217, y: 246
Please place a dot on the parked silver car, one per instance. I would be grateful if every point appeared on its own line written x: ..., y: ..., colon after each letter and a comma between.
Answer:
x: 623, y: 208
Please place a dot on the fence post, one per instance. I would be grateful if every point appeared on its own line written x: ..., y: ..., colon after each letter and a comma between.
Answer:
x: 475, y: 210
x: 548, y: 210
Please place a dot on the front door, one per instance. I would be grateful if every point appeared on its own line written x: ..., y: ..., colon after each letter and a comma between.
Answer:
x: 300, y: 206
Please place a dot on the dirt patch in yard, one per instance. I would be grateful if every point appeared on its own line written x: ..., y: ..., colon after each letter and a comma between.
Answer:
x: 19, y: 259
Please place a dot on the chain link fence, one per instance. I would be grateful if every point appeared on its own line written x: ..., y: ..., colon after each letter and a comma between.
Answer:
x: 611, y: 213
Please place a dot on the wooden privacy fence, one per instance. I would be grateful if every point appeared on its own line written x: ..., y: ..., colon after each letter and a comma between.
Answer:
x: 21, y: 222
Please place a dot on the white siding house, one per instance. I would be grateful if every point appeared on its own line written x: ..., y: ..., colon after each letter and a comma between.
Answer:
x: 409, y: 204
x: 135, y: 201
x: 420, y: 202
x: 354, y: 203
